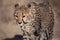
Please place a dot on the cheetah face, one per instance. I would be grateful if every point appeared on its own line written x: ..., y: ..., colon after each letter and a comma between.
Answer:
x: 25, y: 18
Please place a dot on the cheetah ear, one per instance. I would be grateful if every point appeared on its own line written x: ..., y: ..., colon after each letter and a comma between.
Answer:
x: 30, y: 4
x: 16, y: 6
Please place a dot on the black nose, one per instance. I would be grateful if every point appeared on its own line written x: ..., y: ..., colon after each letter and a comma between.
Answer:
x: 19, y: 22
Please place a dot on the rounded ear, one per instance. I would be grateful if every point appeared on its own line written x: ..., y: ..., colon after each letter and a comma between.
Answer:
x: 16, y: 5
x: 30, y: 4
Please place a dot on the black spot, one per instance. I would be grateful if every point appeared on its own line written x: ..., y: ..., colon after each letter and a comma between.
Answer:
x: 16, y: 16
x: 29, y: 5
x: 23, y: 16
x: 36, y: 34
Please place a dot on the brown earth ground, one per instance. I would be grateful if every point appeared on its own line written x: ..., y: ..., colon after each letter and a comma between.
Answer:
x: 8, y: 26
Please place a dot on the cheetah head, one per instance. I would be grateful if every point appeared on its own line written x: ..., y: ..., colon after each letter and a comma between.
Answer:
x: 25, y: 17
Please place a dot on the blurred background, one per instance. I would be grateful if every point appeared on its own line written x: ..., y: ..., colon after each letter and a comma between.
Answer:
x: 8, y: 26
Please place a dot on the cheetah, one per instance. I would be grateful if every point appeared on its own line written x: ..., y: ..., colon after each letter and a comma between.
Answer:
x: 36, y: 21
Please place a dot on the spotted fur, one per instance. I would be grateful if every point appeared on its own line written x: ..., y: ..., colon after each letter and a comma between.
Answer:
x: 35, y: 19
